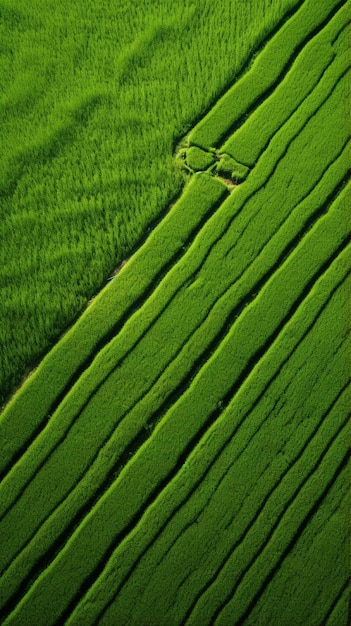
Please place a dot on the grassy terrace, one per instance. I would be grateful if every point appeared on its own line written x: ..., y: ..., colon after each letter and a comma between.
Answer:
x: 181, y: 456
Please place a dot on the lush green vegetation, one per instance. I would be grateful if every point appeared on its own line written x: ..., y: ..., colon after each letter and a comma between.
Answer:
x: 310, y: 68
x: 99, y: 324
x: 94, y: 98
x: 181, y: 456
x: 266, y: 72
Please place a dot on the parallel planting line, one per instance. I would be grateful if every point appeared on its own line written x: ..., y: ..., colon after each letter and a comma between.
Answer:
x: 249, y: 438
x: 192, y: 616
x: 40, y: 542
x: 343, y: 464
x: 188, y: 583
x: 155, y: 489
x: 182, y: 551
x: 325, y: 543
x: 135, y: 427
x: 179, y: 489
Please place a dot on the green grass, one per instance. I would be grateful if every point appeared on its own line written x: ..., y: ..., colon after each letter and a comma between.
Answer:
x: 265, y: 73
x: 98, y: 325
x: 198, y: 159
x: 92, y: 113
x: 183, y: 296
x: 309, y: 69
x: 36, y: 399
x: 181, y: 456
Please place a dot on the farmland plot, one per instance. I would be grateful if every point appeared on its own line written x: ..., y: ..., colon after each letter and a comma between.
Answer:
x: 182, y: 454
x: 93, y: 97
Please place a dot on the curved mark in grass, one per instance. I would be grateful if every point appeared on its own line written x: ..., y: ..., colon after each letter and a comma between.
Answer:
x: 340, y: 33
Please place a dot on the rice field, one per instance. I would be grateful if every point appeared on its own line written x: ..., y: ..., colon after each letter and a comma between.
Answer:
x: 94, y: 98
x: 181, y: 455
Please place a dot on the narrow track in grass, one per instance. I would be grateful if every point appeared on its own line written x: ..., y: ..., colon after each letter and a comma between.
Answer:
x: 120, y: 470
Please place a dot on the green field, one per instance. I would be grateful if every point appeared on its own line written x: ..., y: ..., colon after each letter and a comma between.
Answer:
x: 181, y: 454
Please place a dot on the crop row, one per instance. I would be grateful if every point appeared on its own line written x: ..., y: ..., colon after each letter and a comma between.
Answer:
x: 42, y: 478
x: 320, y: 56
x: 114, y: 510
x: 227, y: 541
x: 207, y: 455
x: 321, y: 549
x: 123, y: 472
x: 105, y: 462
x: 265, y: 73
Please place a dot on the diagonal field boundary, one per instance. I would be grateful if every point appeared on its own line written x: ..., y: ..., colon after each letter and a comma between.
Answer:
x: 183, y: 449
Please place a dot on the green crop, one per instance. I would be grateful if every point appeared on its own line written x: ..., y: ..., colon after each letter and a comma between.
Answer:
x: 181, y: 455
x: 264, y: 74
x: 94, y: 97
